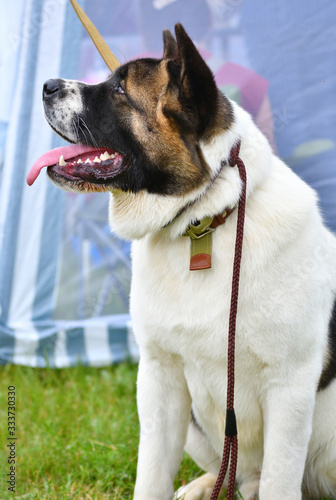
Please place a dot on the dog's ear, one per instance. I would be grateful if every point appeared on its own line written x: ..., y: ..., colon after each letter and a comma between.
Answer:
x: 197, y: 83
x: 169, y: 45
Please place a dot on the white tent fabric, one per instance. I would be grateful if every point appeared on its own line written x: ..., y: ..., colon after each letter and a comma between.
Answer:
x: 64, y: 279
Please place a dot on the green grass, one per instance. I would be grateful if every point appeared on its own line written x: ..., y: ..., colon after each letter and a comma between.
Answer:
x: 77, y: 433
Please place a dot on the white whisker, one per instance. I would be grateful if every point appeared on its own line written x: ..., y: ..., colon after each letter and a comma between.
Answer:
x: 94, y: 142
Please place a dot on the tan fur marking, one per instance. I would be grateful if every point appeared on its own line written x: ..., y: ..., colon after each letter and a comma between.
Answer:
x: 158, y: 134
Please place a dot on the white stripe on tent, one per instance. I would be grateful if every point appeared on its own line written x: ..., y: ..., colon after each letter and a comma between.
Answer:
x: 97, y: 346
x: 26, y: 343
x: 61, y: 357
x: 9, y: 53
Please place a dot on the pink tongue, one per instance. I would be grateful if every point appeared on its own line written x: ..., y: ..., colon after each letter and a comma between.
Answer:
x: 52, y: 157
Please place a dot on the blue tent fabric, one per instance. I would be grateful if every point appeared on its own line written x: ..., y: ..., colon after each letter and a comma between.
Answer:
x: 64, y: 279
x: 292, y: 45
x: 32, y: 220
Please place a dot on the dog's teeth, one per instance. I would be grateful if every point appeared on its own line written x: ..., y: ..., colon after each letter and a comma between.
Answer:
x: 105, y: 156
x: 87, y: 160
x: 61, y: 160
x: 79, y: 161
x: 97, y: 160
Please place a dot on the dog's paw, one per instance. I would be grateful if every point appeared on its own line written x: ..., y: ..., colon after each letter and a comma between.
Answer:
x: 249, y: 490
x: 199, y: 489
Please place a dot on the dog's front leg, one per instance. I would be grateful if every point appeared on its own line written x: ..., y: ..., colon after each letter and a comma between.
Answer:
x: 288, y: 412
x: 164, y: 412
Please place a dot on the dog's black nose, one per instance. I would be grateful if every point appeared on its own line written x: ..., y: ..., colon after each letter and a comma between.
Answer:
x: 51, y: 87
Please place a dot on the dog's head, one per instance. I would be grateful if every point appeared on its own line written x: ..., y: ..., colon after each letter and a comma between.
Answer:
x: 150, y: 115
x: 142, y: 131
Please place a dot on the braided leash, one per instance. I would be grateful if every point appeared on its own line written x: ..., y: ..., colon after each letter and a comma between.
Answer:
x: 231, y: 437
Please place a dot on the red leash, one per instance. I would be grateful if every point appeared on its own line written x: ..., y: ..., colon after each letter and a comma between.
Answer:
x: 231, y: 437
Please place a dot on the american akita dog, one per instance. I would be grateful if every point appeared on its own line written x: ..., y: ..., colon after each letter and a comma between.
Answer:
x: 158, y: 134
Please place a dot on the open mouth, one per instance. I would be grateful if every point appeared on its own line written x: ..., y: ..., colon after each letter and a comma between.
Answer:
x: 80, y: 163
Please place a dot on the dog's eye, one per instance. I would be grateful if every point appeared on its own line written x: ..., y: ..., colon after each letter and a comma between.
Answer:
x: 118, y: 90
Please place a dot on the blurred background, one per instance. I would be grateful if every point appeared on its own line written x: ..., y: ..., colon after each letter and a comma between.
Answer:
x: 64, y: 278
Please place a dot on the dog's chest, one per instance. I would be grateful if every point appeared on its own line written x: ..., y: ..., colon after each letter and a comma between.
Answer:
x: 176, y: 310
x: 185, y: 314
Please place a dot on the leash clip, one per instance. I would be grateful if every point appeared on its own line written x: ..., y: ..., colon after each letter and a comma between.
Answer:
x: 200, y: 244
x: 201, y: 229
x: 201, y: 240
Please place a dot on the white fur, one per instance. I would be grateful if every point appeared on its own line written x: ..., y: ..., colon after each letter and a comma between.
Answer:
x: 200, y: 488
x: 64, y: 116
x: 180, y: 318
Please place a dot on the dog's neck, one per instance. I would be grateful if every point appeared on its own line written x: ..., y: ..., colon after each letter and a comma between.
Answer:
x: 132, y: 216
x: 195, y: 200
